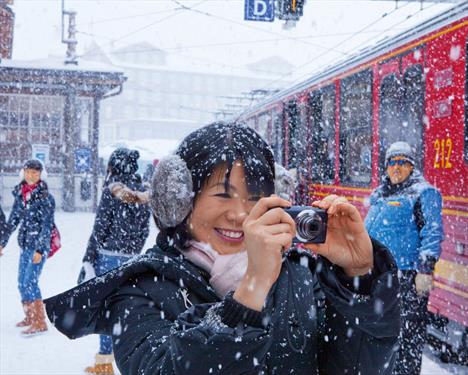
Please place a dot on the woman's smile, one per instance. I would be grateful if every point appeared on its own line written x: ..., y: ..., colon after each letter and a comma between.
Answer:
x: 230, y: 235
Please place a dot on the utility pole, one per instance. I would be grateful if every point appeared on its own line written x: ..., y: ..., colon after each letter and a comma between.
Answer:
x: 71, y: 41
x: 70, y: 120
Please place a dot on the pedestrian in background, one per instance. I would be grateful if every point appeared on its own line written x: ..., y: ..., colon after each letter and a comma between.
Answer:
x: 120, y: 230
x: 33, y: 211
x: 406, y: 215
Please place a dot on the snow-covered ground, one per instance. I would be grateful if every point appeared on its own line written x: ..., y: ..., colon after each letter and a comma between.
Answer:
x: 52, y: 353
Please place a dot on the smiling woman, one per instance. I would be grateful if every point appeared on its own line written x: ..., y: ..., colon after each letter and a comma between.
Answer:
x: 224, y: 290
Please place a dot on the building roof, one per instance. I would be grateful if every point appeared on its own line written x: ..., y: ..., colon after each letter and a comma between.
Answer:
x: 53, y: 76
x: 55, y: 63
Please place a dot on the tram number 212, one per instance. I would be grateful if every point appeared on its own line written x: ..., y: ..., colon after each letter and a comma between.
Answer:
x: 443, y: 151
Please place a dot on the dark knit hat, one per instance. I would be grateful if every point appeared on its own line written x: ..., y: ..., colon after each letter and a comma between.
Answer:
x: 123, y: 161
x: 402, y: 149
x: 34, y: 164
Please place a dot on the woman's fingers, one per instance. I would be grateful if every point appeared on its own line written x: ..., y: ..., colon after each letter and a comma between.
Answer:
x: 278, y: 228
x: 325, y: 202
x: 332, y: 209
x: 275, y: 216
x: 345, y: 208
x: 284, y: 240
x: 266, y: 204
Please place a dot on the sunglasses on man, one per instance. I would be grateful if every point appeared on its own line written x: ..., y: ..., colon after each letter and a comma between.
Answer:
x: 400, y: 162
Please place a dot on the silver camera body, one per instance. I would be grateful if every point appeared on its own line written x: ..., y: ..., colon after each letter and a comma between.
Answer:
x: 311, y: 224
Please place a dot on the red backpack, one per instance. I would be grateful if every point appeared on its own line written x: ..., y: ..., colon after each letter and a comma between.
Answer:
x: 55, y: 243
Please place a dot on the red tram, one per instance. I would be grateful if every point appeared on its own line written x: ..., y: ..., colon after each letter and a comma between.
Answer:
x: 334, y: 129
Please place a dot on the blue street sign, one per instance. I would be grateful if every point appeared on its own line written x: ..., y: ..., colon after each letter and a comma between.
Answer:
x: 82, y: 160
x: 259, y: 10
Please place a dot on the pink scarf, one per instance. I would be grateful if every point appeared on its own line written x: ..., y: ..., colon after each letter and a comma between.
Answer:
x: 226, y: 271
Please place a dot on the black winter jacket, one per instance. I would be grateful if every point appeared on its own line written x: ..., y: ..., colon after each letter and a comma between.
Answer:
x: 3, y: 224
x: 119, y: 227
x: 166, y: 319
x: 35, y: 218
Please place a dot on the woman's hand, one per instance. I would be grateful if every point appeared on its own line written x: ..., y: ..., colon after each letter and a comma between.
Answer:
x: 267, y: 230
x: 348, y: 245
x: 37, y: 257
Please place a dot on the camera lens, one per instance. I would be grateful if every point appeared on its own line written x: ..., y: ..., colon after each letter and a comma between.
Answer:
x: 308, y: 225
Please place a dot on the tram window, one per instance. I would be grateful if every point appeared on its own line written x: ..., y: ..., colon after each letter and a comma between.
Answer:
x: 262, y: 125
x: 322, y: 118
x: 356, y: 129
x: 391, y: 92
x: 412, y: 130
x: 293, y: 130
x: 302, y: 141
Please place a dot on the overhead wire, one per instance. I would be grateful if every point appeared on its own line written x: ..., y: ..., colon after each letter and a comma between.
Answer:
x: 124, y: 18
x: 177, y: 12
x: 338, y: 44
x: 192, y: 9
x: 226, y: 44
x: 207, y: 14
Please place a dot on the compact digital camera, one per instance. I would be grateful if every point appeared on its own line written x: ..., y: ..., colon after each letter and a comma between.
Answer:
x: 311, y: 224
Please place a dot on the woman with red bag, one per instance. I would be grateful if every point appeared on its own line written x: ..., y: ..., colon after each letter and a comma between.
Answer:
x: 33, y: 211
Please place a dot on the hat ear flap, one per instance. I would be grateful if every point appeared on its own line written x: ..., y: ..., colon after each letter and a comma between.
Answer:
x: 285, y: 182
x: 21, y: 174
x: 171, y: 191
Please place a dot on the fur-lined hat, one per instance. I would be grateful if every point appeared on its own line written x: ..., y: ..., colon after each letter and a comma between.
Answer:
x: 400, y: 149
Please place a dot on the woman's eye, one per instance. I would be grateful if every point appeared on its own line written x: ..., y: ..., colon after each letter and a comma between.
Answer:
x: 223, y: 195
x: 255, y: 198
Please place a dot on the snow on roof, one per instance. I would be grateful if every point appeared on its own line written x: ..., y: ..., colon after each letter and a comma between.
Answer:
x: 56, y: 63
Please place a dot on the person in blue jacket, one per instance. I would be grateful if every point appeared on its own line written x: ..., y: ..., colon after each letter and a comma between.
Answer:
x: 33, y: 211
x: 120, y: 230
x: 405, y: 214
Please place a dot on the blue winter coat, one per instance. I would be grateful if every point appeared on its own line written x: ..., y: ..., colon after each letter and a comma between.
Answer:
x: 407, y: 218
x: 35, y: 218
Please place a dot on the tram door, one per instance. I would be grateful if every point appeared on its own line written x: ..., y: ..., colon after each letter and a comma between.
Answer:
x: 401, y: 105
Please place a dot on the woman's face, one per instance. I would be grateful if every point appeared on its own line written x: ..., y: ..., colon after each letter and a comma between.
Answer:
x: 398, y: 170
x: 32, y: 176
x: 218, y: 214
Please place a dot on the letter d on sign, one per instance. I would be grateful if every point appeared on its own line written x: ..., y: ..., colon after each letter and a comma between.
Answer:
x: 260, y: 8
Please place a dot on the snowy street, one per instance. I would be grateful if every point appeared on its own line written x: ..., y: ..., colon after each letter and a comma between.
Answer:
x: 52, y: 353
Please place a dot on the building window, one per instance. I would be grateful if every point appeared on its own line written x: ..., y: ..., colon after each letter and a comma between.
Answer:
x: 356, y: 129
x: 26, y: 121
